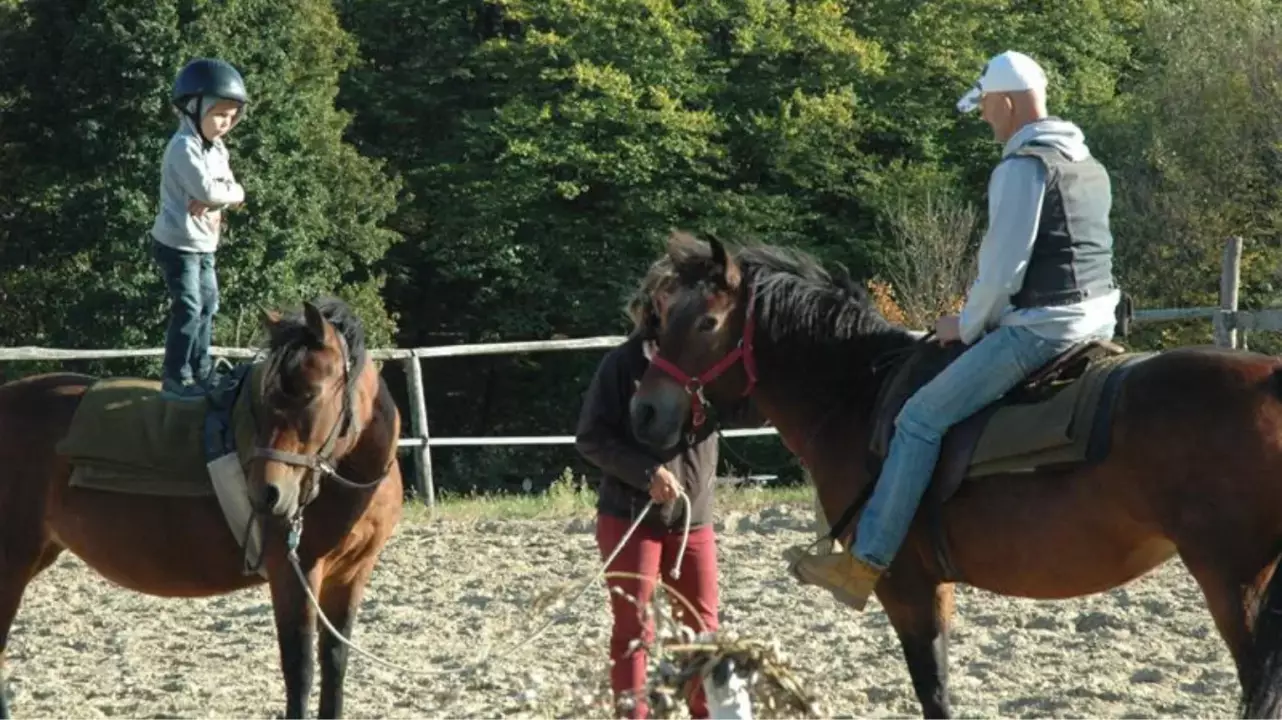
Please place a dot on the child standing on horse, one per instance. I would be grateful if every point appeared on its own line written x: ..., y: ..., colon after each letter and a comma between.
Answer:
x: 196, y: 186
x: 635, y: 476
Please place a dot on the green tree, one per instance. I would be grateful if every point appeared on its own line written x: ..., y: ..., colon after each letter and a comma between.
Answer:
x: 87, y: 118
x: 549, y: 145
x: 1194, y: 147
x: 82, y: 133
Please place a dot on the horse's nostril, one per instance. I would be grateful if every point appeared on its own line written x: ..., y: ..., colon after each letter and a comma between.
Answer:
x: 271, y: 497
x: 645, y: 416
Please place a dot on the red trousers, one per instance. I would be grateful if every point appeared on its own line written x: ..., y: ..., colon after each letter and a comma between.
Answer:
x: 647, y: 551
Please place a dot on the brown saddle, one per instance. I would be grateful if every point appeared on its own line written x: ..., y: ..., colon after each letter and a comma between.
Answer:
x: 928, y: 360
x: 1058, y: 416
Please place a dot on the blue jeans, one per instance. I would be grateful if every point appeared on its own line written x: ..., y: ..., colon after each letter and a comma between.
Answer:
x: 980, y: 375
x: 193, y: 294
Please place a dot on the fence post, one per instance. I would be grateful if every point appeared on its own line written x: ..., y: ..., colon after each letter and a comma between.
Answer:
x: 1230, y: 278
x: 419, y: 429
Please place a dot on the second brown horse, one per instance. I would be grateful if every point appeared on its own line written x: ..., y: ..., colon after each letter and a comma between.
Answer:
x: 1195, y: 468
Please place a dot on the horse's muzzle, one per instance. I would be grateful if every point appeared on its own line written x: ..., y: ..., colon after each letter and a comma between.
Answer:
x: 281, y: 500
x: 652, y: 426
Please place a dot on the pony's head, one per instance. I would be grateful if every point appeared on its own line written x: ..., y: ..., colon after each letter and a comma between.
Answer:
x: 813, y: 329
x: 700, y: 356
x: 308, y: 415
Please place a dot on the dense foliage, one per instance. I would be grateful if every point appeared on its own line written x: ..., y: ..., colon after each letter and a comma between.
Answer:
x: 472, y: 171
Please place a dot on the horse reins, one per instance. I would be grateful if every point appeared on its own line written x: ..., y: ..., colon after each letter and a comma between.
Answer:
x: 887, y: 360
x: 524, y: 642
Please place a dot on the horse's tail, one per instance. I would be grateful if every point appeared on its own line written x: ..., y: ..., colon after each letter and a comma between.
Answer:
x: 1262, y: 671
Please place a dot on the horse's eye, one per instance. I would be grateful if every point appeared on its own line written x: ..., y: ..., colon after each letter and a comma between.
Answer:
x: 707, y: 323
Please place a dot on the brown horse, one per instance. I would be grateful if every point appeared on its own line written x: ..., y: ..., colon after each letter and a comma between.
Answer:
x: 1197, y: 474
x: 324, y: 462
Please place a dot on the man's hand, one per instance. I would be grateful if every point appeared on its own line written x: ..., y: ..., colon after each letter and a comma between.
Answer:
x: 196, y: 208
x: 948, y: 329
x: 664, y: 485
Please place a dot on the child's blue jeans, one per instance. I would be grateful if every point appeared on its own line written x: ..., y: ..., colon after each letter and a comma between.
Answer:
x: 193, y: 294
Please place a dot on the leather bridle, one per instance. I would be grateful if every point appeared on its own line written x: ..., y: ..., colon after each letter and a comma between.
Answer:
x: 320, y: 464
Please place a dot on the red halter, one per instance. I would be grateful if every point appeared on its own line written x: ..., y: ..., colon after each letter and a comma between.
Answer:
x: 694, y: 385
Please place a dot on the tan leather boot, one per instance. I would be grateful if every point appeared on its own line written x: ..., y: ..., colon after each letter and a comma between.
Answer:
x: 849, y: 579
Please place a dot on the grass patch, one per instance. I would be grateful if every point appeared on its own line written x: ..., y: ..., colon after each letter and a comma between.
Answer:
x: 564, y: 500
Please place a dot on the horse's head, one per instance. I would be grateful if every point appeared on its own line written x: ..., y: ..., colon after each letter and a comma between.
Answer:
x: 307, y: 396
x: 703, y: 355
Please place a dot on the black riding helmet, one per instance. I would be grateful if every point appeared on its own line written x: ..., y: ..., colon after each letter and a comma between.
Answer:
x: 207, y: 76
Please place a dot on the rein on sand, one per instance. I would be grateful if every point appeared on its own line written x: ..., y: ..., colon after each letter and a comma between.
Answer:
x: 295, y: 536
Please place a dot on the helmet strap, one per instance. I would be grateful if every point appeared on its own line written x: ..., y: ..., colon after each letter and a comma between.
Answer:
x: 192, y: 109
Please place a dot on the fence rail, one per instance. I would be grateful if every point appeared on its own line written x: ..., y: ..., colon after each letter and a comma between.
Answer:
x: 1227, y: 319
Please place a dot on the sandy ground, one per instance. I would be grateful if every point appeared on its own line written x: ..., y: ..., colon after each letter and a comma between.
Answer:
x: 82, y: 648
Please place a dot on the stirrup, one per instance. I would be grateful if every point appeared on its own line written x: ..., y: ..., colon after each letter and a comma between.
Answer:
x: 795, y: 554
x: 803, y: 551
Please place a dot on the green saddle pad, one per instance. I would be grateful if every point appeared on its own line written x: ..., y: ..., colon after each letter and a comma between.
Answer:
x: 126, y: 437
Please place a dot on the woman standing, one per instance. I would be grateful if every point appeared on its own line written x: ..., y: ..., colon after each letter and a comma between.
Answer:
x: 632, y: 477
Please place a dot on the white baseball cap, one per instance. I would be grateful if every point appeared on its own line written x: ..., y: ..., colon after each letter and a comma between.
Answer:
x: 1010, y: 71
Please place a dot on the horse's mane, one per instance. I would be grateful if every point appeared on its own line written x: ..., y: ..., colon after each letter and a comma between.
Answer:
x: 807, y: 315
x: 291, y: 339
x: 800, y: 299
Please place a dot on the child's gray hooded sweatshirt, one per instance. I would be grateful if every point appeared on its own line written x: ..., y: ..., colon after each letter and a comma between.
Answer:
x: 194, y: 169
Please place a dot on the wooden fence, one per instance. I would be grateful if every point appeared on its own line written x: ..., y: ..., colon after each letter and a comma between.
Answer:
x: 419, y: 442
x: 1227, y: 321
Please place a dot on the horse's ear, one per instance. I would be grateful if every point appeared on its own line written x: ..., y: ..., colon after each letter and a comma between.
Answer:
x: 718, y: 251
x: 315, y: 321
x: 723, y: 264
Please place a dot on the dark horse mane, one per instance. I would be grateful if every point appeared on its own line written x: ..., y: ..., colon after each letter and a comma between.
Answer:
x: 291, y: 338
x: 797, y: 297
x: 821, y: 313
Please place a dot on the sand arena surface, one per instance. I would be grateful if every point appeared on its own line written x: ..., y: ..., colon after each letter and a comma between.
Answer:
x: 83, y: 648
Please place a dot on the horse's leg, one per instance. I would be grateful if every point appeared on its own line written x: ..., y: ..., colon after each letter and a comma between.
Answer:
x: 921, y: 614
x: 1226, y: 600
x: 17, y: 569
x: 1231, y: 601
x: 340, y: 597
x: 295, y: 633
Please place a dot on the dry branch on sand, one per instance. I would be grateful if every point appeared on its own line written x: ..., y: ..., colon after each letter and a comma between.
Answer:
x: 770, y: 682
x: 680, y: 657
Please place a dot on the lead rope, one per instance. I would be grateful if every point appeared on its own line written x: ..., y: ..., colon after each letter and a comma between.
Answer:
x: 295, y: 535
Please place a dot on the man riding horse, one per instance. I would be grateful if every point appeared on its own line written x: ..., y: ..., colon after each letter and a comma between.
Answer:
x: 1045, y: 283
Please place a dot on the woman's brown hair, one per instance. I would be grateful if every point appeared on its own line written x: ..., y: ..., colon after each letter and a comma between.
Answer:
x: 659, y: 278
